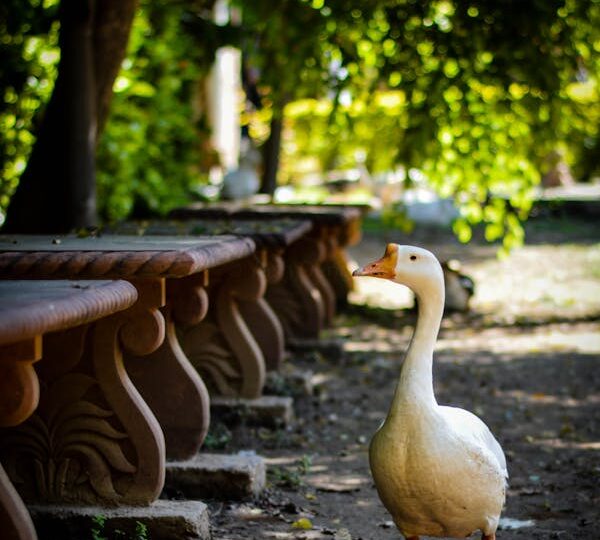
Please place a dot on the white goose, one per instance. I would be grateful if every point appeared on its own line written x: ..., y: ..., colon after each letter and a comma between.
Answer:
x: 438, y: 470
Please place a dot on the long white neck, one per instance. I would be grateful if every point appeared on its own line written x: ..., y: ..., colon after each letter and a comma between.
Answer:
x: 415, y: 387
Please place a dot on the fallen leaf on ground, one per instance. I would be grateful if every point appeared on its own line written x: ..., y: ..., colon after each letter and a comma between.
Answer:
x: 302, y: 523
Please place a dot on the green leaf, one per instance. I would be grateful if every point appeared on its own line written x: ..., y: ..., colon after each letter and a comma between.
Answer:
x: 303, y: 523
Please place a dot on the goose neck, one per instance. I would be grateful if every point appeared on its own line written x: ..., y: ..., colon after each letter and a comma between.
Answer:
x: 416, y: 379
x: 430, y: 311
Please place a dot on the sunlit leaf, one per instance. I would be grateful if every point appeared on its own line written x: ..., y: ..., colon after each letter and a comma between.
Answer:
x: 302, y: 523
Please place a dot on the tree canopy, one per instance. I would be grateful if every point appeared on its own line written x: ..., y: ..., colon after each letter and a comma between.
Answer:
x: 471, y: 96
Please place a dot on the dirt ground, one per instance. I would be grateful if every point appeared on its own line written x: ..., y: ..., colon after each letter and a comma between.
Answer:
x: 525, y: 359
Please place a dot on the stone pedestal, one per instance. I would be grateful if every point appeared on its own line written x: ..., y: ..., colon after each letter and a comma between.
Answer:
x: 217, y: 476
x: 162, y: 520
x: 268, y: 411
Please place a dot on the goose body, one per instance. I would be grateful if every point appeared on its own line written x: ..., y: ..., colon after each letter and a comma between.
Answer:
x: 438, y: 470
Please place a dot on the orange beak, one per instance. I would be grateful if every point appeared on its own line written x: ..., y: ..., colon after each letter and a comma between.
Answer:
x: 384, y: 268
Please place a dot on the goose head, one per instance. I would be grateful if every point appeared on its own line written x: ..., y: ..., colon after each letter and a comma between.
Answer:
x: 411, y: 266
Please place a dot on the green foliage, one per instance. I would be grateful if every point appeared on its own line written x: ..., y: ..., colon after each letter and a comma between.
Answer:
x: 28, y: 59
x: 291, y: 477
x: 141, y: 531
x: 150, y: 152
x: 395, y: 217
x: 98, y: 523
x: 218, y: 437
x: 471, y: 95
x: 98, y: 530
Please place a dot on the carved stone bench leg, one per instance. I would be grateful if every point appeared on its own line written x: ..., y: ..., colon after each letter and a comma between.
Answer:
x: 262, y: 320
x: 296, y: 299
x: 19, y: 396
x: 15, y: 521
x: 335, y: 266
x: 92, y: 439
x: 168, y: 382
x: 322, y: 247
x: 222, y: 347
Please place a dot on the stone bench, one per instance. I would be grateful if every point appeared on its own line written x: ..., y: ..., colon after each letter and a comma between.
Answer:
x: 172, y: 276
x: 287, y: 260
x: 333, y: 228
x: 34, y: 316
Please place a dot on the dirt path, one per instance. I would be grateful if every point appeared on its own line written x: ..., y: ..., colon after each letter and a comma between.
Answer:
x: 526, y: 361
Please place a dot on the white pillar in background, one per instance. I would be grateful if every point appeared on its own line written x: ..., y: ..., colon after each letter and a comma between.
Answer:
x: 224, y: 95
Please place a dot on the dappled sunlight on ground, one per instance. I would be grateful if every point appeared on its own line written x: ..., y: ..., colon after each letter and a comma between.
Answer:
x: 558, y: 338
x: 534, y: 281
x: 546, y: 399
x: 539, y: 281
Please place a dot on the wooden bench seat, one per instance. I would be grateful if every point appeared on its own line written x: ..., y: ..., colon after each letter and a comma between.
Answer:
x: 31, y: 314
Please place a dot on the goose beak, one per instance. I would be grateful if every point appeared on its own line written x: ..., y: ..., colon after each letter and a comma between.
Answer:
x: 384, y: 268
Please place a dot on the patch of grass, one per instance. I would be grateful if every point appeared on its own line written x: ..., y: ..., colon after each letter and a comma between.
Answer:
x: 99, y: 533
x: 278, y: 385
x: 98, y: 523
x: 291, y: 477
x: 218, y: 437
x: 141, y: 531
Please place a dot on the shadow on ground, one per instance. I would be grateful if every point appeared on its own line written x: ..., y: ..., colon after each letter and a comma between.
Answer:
x: 526, y: 360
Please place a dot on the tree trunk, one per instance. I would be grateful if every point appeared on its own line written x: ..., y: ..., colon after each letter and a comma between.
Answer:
x: 112, y: 27
x: 57, y: 192
x: 271, y: 150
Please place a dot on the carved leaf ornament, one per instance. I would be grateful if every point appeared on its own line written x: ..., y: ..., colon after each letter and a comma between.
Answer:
x: 208, y: 352
x: 68, y: 442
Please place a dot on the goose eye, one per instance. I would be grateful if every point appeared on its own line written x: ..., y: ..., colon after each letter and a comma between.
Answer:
x: 413, y: 257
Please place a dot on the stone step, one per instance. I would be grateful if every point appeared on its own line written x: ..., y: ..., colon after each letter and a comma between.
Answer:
x: 268, y: 411
x: 164, y: 520
x: 216, y: 476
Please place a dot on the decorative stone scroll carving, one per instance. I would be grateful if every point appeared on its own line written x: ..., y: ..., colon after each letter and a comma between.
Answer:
x: 322, y: 247
x: 19, y: 386
x: 335, y: 265
x: 262, y: 320
x: 222, y: 347
x: 169, y: 384
x: 92, y: 438
x: 19, y: 396
x: 342, y: 222
x: 182, y: 406
x: 15, y: 521
x: 298, y: 299
x: 74, y: 418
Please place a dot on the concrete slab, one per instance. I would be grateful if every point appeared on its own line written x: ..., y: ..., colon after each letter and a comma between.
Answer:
x: 217, y: 476
x: 164, y: 520
x: 268, y: 411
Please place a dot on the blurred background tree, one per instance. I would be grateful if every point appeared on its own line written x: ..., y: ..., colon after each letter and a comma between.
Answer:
x: 57, y: 190
x: 468, y: 97
x: 28, y: 58
x: 151, y: 154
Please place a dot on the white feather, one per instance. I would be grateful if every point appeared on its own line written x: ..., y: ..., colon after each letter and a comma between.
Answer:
x: 438, y: 470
